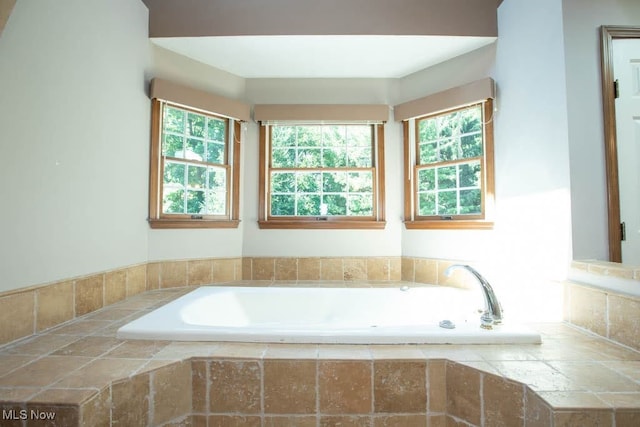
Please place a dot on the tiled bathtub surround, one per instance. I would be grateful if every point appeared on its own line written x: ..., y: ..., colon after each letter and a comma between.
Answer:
x: 605, y: 313
x: 24, y: 312
x: 611, y: 269
x: 87, y: 377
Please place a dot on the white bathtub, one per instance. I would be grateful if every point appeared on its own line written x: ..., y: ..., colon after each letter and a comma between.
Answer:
x: 325, y: 315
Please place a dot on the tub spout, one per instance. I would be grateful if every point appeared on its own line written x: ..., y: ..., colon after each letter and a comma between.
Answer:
x: 492, y: 309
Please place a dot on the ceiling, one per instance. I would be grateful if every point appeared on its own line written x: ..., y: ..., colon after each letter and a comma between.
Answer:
x: 325, y: 56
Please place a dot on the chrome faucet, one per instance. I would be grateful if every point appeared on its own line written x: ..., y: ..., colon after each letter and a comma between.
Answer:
x: 492, y: 309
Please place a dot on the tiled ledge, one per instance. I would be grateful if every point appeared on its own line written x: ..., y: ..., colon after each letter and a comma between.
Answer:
x: 611, y: 269
x: 85, y: 375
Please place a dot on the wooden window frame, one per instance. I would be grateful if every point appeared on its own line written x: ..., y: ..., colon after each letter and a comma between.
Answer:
x: 482, y: 221
x: 160, y: 220
x: 376, y: 221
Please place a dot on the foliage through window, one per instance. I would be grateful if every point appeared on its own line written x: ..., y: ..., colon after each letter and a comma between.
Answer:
x: 192, y: 161
x: 321, y: 174
x: 452, y: 167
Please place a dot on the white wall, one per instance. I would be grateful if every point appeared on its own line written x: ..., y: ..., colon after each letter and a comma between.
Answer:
x: 74, y: 130
x: 385, y: 242
x: 197, y: 243
x: 532, y: 224
x: 582, y: 21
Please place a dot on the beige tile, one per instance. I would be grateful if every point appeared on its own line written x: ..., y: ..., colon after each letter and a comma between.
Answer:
x: 62, y: 396
x: 137, y: 349
x: 115, y: 286
x: 286, y: 269
x: 503, y: 401
x: 355, y: 268
x: 137, y: 279
x: 89, y: 294
x: 537, y: 412
x: 173, y: 274
x: 344, y: 387
x: 399, y: 386
x: 64, y: 415
x: 624, y: 320
x: 234, y: 386
x: 308, y: 268
x: 41, y: 344
x: 99, y: 372
x: 224, y: 270
x: 407, y: 267
x: 395, y: 269
x: 43, y: 372
x: 233, y: 421
x: 426, y: 271
x: 153, y: 275
x: 263, y: 268
x: 247, y: 268
x: 9, y: 362
x: 88, y: 347
x: 345, y: 421
x: 131, y: 401
x: 344, y: 352
x: 96, y: 412
x: 438, y: 420
x: 437, y: 386
x: 593, y: 376
x: 199, y: 272
x: 538, y: 375
x: 171, y: 389
x: 463, y: 393
x: 199, y: 386
x: 400, y: 420
x: 239, y: 350
x: 291, y: 351
x: 289, y: 421
x: 627, y: 418
x: 81, y: 327
x: 55, y: 305
x: 331, y: 269
x: 588, y: 309
x: 16, y: 316
x: 289, y: 386
x: 583, y: 419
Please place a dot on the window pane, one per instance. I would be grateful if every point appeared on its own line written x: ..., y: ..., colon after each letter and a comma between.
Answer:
x: 217, y: 179
x: 470, y: 174
x: 359, y: 157
x: 427, y: 204
x: 446, y: 177
x: 283, y: 204
x: 358, y: 136
x: 471, y: 145
x: 309, y: 158
x: 360, y: 205
x: 428, y: 153
x: 308, y: 136
x: 283, y: 182
x: 308, y: 204
x: 216, y: 130
x: 335, y: 204
x: 216, y: 202
x: 470, y: 201
x: 195, y: 125
x: 195, y: 202
x: 334, y: 157
x: 334, y: 136
x: 172, y: 200
x: 334, y: 182
x: 174, y: 173
x: 426, y: 179
x: 447, y: 203
x: 195, y: 149
x: 215, y: 153
x: 308, y: 182
x: 173, y: 120
x: 172, y: 144
x: 360, y: 182
x: 197, y: 176
x: 427, y: 130
x: 283, y: 158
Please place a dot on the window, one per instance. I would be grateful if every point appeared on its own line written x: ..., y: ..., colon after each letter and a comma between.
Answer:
x: 194, y: 168
x: 322, y: 175
x: 449, y: 183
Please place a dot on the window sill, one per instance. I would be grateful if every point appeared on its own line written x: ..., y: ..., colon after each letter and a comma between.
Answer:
x: 192, y: 223
x: 449, y: 225
x: 322, y: 225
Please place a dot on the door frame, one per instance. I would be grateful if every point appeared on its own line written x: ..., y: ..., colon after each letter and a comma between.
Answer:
x: 608, y: 33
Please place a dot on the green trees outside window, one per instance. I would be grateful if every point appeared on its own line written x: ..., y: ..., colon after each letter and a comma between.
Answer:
x: 321, y: 170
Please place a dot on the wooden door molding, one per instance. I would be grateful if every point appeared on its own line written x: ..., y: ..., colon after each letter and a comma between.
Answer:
x: 608, y: 35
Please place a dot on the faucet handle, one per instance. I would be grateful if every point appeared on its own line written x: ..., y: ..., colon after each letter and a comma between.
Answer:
x: 486, y: 320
